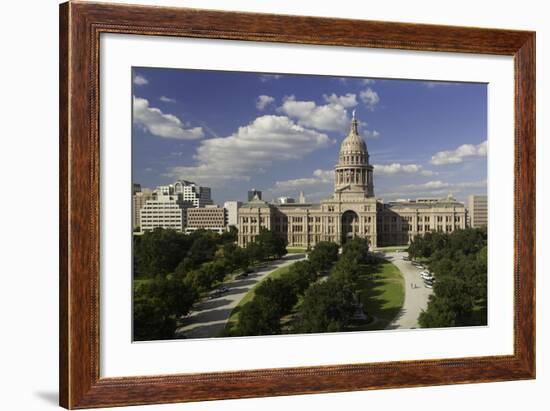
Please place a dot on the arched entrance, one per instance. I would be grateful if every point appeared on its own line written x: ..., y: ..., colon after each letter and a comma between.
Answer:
x: 350, y: 225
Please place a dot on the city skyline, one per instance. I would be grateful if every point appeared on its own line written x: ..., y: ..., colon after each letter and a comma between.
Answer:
x: 279, y: 133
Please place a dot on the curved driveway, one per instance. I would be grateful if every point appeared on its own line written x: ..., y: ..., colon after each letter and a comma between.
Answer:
x: 416, y: 297
x: 209, y: 316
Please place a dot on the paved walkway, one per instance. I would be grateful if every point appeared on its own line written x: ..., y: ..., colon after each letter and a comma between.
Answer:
x: 209, y: 317
x: 416, y: 297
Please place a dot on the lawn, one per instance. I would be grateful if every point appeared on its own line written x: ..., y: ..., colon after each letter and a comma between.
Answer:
x: 295, y: 250
x: 382, y: 293
x: 234, y: 317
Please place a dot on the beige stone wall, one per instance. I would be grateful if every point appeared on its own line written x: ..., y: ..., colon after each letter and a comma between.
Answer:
x: 399, y: 225
x: 336, y: 220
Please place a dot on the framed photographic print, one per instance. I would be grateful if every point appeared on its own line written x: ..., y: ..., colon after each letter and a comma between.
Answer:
x: 256, y: 205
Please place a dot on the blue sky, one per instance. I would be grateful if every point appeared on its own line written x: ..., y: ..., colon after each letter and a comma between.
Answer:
x: 233, y: 131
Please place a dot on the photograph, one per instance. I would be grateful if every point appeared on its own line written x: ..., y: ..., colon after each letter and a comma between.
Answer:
x: 277, y: 203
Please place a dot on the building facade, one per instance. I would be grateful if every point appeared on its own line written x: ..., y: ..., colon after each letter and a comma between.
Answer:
x: 166, y: 206
x: 211, y: 218
x: 164, y: 211
x: 232, y: 209
x: 139, y: 198
x: 477, y: 211
x: 352, y: 211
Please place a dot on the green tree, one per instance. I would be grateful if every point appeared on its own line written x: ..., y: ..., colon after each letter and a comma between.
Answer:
x: 280, y: 292
x: 158, y: 252
x: 323, y: 255
x: 346, y: 269
x: 357, y: 250
x: 157, y: 304
x: 273, y: 245
x: 326, y: 306
x: 458, y: 262
x: 203, y: 248
x: 439, y: 314
x: 255, y: 252
x: 259, y: 317
x: 229, y: 236
x: 300, y: 275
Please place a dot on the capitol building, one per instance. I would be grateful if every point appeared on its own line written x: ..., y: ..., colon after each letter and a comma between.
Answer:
x: 352, y: 211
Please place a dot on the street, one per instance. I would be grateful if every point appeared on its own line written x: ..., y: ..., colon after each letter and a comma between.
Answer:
x: 416, y: 297
x: 209, y: 316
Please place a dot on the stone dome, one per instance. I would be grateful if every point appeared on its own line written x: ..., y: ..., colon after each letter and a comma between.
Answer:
x: 353, y: 145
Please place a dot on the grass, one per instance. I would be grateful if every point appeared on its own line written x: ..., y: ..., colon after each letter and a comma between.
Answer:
x: 382, y: 293
x: 295, y: 250
x: 234, y: 317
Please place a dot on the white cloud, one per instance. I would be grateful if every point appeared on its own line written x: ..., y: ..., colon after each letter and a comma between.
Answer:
x: 328, y: 117
x: 438, y: 185
x: 159, y: 124
x: 458, y: 155
x: 139, y: 80
x: 398, y: 168
x: 165, y: 99
x: 250, y: 150
x: 263, y: 101
x: 434, y: 84
x: 347, y: 101
x: 436, y: 188
x: 319, y: 177
x: 268, y: 77
x: 370, y: 98
x: 371, y: 135
x: 367, y: 81
x: 473, y: 184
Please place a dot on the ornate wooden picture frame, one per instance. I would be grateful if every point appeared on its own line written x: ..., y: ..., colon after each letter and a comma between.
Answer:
x: 81, y: 25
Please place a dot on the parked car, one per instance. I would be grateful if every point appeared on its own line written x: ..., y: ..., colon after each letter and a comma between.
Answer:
x: 428, y: 285
x: 426, y: 275
x: 223, y: 289
x: 405, y: 258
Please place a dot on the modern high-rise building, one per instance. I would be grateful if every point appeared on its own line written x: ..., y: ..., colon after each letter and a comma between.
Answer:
x: 254, y: 193
x: 232, y: 208
x: 188, y: 192
x: 164, y: 211
x: 193, y: 194
x: 352, y: 211
x: 166, y: 206
x: 211, y: 217
x: 139, y: 198
x: 477, y: 211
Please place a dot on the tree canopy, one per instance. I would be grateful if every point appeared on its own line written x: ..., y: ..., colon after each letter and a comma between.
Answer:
x: 323, y: 255
x: 458, y: 262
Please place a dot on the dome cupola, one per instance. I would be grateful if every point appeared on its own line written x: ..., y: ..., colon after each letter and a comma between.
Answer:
x: 353, y: 149
x: 353, y: 173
